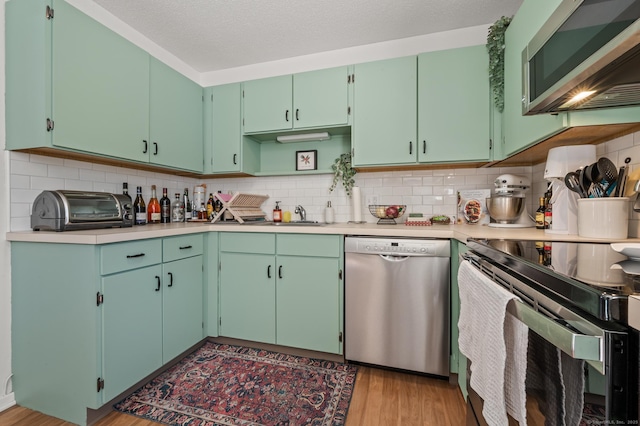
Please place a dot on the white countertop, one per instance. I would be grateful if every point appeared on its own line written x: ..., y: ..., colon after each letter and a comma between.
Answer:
x: 459, y: 232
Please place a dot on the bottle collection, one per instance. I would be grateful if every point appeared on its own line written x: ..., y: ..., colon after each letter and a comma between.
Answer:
x: 181, y: 209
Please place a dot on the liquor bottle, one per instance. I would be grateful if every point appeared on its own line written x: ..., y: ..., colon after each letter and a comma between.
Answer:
x: 187, y: 205
x: 165, y: 207
x: 153, y: 209
x: 210, y: 204
x: 217, y: 206
x: 540, y: 214
x: 125, y: 189
x: 139, y: 208
x: 548, y: 216
x: 177, y: 209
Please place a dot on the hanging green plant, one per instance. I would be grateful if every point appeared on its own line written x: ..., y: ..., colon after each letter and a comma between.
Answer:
x: 495, y: 47
x: 342, y: 171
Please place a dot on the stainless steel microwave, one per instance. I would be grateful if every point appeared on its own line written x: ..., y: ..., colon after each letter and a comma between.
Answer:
x: 587, y: 55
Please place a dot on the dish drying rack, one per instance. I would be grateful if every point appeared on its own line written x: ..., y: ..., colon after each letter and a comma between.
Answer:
x: 243, y: 207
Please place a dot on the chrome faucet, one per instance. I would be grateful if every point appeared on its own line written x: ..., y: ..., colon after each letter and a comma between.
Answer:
x: 302, y: 212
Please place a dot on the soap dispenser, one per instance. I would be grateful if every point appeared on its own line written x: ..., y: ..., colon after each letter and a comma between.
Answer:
x: 277, y: 213
x: 329, y: 214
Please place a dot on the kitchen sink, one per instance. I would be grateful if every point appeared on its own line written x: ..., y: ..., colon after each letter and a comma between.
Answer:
x: 292, y: 223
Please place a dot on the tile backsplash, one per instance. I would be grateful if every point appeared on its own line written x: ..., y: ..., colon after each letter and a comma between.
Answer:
x: 424, y: 191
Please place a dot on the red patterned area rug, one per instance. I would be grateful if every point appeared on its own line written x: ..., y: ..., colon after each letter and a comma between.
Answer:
x: 232, y: 385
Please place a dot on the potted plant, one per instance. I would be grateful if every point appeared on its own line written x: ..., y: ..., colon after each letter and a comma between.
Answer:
x: 343, y: 172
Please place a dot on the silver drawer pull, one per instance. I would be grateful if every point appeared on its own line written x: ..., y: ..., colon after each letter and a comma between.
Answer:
x: 185, y: 247
x: 131, y: 256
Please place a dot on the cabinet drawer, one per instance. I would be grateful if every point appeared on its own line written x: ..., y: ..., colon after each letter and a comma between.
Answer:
x: 130, y: 255
x: 246, y: 242
x: 181, y: 247
x: 309, y: 245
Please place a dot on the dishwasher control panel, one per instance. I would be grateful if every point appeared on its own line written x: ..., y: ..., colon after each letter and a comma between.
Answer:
x: 397, y: 246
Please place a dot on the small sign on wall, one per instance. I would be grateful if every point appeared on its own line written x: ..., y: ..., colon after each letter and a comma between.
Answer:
x: 307, y: 160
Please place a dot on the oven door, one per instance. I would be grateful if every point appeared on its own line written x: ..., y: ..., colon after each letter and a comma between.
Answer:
x: 580, y: 370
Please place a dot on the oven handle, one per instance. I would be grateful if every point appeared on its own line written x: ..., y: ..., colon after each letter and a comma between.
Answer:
x: 576, y: 345
x: 588, y: 347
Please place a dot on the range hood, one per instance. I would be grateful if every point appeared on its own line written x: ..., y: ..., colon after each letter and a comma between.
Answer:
x: 586, y: 56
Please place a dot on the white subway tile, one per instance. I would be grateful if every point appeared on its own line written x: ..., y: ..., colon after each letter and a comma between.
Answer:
x: 20, y: 182
x: 433, y: 199
x: 20, y: 209
x: 402, y: 190
x: 24, y: 195
x: 412, y: 181
x: 75, y: 164
x: 83, y: 185
x: 26, y: 168
x: 444, y: 190
x: 423, y: 190
x: 623, y: 142
x: 433, y: 180
x: 41, y: 183
x: 20, y: 223
x: 92, y: 175
x: 392, y: 181
x: 455, y: 180
x: 19, y: 156
x: 62, y: 172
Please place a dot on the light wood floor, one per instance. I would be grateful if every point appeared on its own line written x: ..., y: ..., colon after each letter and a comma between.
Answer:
x: 380, y: 398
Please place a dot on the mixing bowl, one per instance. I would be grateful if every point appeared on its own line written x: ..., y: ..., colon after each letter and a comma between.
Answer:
x: 505, y: 209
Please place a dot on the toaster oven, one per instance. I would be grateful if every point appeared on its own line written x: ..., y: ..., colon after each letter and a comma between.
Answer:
x: 74, y: 210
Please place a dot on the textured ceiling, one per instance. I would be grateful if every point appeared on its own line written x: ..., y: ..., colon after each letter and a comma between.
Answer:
x: 211, y: 35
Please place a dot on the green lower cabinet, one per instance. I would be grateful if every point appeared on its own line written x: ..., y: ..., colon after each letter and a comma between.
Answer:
x: 92, y: 321
x: 289, y: 296
x: 182, y: 318
x: 247, y: 296
x: 131, y: 328
x: 308, y: 304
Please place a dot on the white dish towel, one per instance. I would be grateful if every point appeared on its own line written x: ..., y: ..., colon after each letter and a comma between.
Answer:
x: 496, y: 343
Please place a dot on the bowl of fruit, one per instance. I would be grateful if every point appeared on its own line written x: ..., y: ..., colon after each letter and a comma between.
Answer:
x: 387, y: 214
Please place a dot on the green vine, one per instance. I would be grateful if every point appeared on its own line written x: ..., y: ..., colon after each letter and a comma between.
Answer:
x: 342, y: 171
x: 495, y: 47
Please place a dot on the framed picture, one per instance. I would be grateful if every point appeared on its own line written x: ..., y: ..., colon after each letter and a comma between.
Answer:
x: 307, y: 160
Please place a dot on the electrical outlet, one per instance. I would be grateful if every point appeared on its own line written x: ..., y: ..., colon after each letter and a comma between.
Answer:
x: 372, y: 199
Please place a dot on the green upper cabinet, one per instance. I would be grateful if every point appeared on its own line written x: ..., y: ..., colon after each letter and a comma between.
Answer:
x: 300, y: 101
x: 267, y: 104
x: 518, y: 131
x: 91, y: 82
x: 453, y: 105
x: 321, y: 98
x: 176, y: 119
x: 226, y: 129
x: 385, y: 117
x: 73, y: 84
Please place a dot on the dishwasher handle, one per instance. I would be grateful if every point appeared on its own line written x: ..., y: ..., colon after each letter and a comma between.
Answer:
x: 393, y: 257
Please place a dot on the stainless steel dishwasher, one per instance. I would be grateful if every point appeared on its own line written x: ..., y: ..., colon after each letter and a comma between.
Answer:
x: 397, y: 303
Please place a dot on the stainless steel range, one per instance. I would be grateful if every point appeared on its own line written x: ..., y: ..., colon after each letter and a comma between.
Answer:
x: 572, y: 301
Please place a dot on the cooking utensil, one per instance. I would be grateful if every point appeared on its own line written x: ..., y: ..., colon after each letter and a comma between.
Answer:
x: 585, y: 183
x: 604, y: 172
x: 573, y: 183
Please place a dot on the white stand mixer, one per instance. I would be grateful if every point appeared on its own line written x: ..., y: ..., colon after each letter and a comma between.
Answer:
x: 513, y: 186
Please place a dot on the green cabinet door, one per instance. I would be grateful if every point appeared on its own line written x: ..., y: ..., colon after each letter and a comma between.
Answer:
x: 308, y: 301
x: 247, y: 296
x: 226, y: 139
x: 518, y: 131
x: 320, y: 98
x: 454, y: 105
x: 100, y: 87
x: 385, y: 117
x: 131, y: 328
x: 176, y: 119
x: 267, y: 104
x: 182, y: 325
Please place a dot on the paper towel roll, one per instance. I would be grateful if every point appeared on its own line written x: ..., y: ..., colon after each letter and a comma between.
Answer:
x: 356, y: 201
